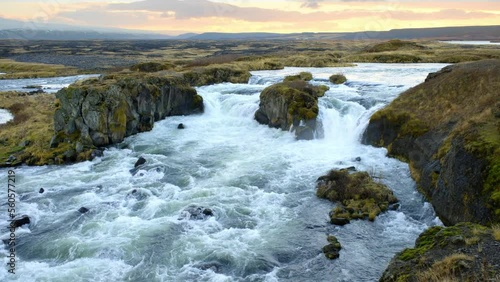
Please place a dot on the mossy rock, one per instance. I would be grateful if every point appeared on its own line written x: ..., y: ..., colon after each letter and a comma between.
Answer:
x: 448, y: 254
x: 305, y: 76
x: 332, y: 250
x: 357, y: 196
x: 338, y: 79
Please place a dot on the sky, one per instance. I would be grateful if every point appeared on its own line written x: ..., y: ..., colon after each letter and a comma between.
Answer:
x: 283, y: 16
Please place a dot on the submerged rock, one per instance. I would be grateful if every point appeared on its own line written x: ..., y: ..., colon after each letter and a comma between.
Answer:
x: 291, y: 105
x: 196, y: 213
x: 41, y: 190
x: 180, y: 126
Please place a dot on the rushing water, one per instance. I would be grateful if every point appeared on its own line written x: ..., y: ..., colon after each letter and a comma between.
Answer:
x: 260, y: 182
x: 5, y: 116
x: 465, y: 42
x: 49, y: 85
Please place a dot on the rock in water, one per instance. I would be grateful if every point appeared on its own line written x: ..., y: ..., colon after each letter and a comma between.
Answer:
x: 83, y: 210
x: 180, y: 126
x: 20, y: 222
x: 291, y: 105
x: 196, y: 213
x: 356, y: 194
x: 41, y: 191
x: 332, y: 250
x: 140, y: 162
x: 101, y: 112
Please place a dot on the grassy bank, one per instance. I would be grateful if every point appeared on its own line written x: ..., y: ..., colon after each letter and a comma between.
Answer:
x: 16, y: 70
x: 27, y: 136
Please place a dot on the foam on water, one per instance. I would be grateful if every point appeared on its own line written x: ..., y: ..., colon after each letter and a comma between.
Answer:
x: 268, y: 225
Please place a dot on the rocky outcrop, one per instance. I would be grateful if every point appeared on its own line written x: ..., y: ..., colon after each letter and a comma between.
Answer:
x: 216, y: 74
x: 291, y: 105
x: 448, y: 130
x: 465, y: 252
x: 357, y: 196
x: 338, y: 79
x: 104, y: 111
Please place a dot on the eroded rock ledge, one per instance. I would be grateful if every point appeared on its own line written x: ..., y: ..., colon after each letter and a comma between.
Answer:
x: 100, y: 112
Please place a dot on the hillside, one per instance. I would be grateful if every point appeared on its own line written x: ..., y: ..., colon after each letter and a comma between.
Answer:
x: 448, y: 129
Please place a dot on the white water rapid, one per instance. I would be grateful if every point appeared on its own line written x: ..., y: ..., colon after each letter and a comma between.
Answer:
x: 268, y: 224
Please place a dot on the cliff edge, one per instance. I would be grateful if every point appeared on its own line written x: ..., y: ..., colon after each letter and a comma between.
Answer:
x: 448, y: 130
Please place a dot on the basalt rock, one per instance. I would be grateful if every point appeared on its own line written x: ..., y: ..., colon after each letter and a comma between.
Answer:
x: 448, y: 131
x: 101, y: 112
x: 291, y: 105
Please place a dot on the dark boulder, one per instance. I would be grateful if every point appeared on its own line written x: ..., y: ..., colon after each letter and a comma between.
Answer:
x: 20, y: 221
x: 140, y: 162
x: 83, y: 210
x: 196, y: 213
x: 181, y: 126
x: 41, y: 190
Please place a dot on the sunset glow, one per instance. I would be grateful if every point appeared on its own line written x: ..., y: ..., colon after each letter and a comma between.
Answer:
x: 175, y: 16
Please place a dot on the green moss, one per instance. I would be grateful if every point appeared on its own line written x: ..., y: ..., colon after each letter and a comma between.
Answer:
x: 338, y: 79
x: 359, y: 196
x: 305, y: 76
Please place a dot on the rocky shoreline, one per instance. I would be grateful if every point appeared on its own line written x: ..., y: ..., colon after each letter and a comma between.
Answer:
x: 448, y: 130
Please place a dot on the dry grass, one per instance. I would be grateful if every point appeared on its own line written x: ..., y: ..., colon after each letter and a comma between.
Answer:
x: 32, y: 124
x: 15, y: 69
x: 496, y: 231
x: 447, y: 269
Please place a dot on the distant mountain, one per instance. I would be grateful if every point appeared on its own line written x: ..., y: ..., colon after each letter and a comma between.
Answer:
x: 443, y: 33
x: 13, y: 29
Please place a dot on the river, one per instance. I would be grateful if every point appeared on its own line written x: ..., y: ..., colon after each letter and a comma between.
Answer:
x: 268, y: 224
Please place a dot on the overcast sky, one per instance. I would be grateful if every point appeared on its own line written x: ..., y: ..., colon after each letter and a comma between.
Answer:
x: 178, y: 16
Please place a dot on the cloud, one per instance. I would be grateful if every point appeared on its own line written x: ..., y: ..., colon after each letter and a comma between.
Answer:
x: 314, y: 4
x: 222, y: 16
